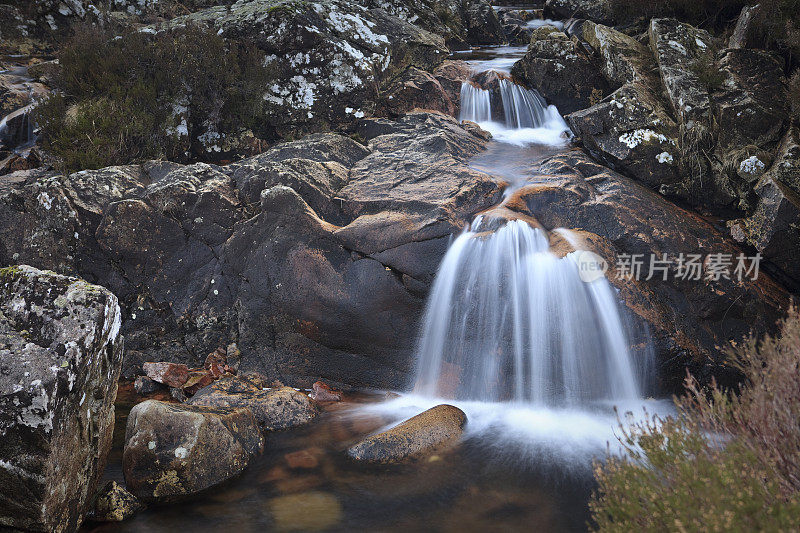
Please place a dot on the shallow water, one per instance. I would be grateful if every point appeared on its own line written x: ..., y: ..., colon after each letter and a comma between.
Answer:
x: 517, y: 469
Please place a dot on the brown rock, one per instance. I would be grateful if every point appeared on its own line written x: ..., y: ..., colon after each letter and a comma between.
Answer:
x: 323, y: 393
x: 173, y: 451
x: 114, y: 504
x: 421, y: 435
x: 170, y: 374
x: 279, y: 408
x: 308, y: 458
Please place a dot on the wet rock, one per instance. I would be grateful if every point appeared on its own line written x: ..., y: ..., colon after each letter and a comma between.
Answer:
x: 145, y: 386
x: 425, y: 433
x: 60, y: 358
x: 170, y: 374
x: 415, y: 89
x: 481, y: 25
x: 114, y: 504
x: 275, y: 408
x: 561, y: 70
x: 174, y: 451
x: 323, y: 393
x: 451, y: 74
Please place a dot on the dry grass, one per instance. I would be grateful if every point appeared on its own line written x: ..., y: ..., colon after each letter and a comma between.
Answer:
x: 726, y: 462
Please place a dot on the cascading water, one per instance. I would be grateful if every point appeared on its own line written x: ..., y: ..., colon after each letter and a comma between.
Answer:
x: 508, y: 320
x: 512, y: 334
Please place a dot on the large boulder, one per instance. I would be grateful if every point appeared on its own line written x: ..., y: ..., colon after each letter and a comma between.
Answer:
x: 429, y: 431
x: 174, y: 451
x: 60, y: 358
x: 327, y: 61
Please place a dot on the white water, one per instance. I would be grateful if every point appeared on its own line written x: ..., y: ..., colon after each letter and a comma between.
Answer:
x: 509, y: 321
x: 536, y: 357
x: 527, y: 119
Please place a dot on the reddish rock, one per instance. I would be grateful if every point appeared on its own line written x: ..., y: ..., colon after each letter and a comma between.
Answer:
x: 323, y: 393
x: 170, y: 374
x: 197, y: 380
x: 308, y: 458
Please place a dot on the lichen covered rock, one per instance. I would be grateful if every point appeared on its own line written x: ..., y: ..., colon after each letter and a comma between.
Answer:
x: 60, y: 358
x: 114, y: 504
x: 174, y: 451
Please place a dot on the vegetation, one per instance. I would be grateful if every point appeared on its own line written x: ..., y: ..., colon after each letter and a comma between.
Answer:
x: 726, y: 462
x: 140, y: 95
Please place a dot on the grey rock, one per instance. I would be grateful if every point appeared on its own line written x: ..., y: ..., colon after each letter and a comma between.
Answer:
x: 60, y: 358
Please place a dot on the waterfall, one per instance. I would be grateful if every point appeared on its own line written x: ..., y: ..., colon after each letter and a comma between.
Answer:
x: 475, y: 103
x: 526, y: 117
x: 523, y: 108
x: 509, y: 321
x: 17, y: 129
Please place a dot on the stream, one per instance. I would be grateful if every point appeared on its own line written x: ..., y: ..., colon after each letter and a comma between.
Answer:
x: 540, y: 395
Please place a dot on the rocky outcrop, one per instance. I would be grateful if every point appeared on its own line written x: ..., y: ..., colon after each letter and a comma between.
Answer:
x: 461, y: 23
x: 175, y: 451
x: 326, y: 61
x: 432, y: 430
x: 561, y: 70
x: 631, y: 129
x: 275, y: 408
x: 60, y: 358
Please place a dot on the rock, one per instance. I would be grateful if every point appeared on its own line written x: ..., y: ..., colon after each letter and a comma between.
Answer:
x: 177, y: 394
x: 774, y: 226
x: 114, y: 504
x: 745, y: 34
x: 175, y: 451
x: 60, y: 358
x: 415, y: 89
x: 170, y: 374
x: 323, y: 393
x: 307, y: 459
x: 423, y: 434
x: 451, y: 19
x: 275, y: 409
x: 306, y: 511
x: 680, y: 50
x: 561, y: 70
x: 451, y: 74
x: 481, y: 25
x: 342, y: 54
x: 199, y: 379
x: 584, y: 9
x: 631, y: 129
x: 145, y: 386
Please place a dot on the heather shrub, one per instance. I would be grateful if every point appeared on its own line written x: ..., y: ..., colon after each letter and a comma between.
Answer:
x: 140, y: 95
x: 726, y: 462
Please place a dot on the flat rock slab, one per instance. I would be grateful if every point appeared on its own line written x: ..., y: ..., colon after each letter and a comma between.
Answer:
x: 60, y: 359
x: 174, y: 451
x: 420, y: 435
x: 274, y: 408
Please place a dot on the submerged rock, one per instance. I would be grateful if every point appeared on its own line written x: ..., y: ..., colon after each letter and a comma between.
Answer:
x: 174, y: 451
x: 274, y: 408
x: 306, y: 511
x: 60, y: 359
x: 420, y: 435
x: 114, y: 504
